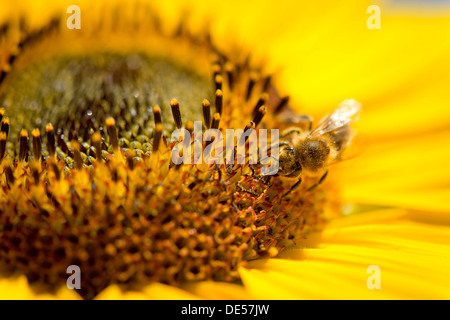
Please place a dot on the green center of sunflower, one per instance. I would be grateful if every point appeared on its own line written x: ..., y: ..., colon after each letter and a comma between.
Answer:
x: 100, y: 190
x: 77, y: 94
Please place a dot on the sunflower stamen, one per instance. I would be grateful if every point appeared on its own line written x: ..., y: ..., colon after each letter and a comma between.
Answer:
x: 216, y: 121
x: 34, y: 167
x: 250, y: 126
x: 5, y: 125
x: 2, y: 145
x: 157, y: 114
x: 112, y: 132
x: 23, y: 145
x: 251, y: 85
x: 130, y: 158
x: 219, y: 102
x: 206, y: 108
x: 175, y: 106
x: 267, y: 83
x: 189, y: 127
x: 55, y: 168
x: 157, y: 137
x: 10, y: 179
x: 37, y: 147
x: 259, y: 115
x: 96, y: 139
x: 216, y: 70
x: 77, y: 155
x: 262, y: 101
x: 218, y: 80
x: 281, y: 104
x: 61, y: 142
x: 51, y: 142
x: 229, y: 69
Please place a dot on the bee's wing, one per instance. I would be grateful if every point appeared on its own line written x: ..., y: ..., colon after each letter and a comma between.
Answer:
x: 336, y: 128
x: 353, y: 146
x: 340, y: 119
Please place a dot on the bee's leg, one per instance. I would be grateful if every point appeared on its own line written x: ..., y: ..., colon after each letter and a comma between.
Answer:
x: 307, y: 121
x: 266, y: 175
x: 280, y: 144
x: 233, y: 157
x: 283, y: 143
x: 217, y: 169
x: 219, y: 172
x: 240, y: 186
x: 263, y: 179
x: 267, y: 181
x: 289, y: 117
x: 302, y: 122
x: 315, y: 185
x: 295, y: 185
x: 253, y: 170
x: 289, y: 132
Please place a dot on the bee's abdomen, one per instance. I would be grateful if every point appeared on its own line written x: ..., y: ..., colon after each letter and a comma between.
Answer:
x: 314, y: 154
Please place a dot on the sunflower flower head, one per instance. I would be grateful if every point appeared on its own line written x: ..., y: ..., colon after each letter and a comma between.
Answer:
x: 86, y: 175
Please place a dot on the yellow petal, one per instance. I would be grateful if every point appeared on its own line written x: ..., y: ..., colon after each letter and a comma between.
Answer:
x: 155, y: 291
x: 17, y: 288
x: 113, y: 292
x: 218, y: 290
x: 414, y: 261
x: 262, y: 285
x: 431, y: 202
x: 399, y: 72
x: 409, y: 173
x: 413, y: 159
x: 160, y: 291
x: 405, y: 235
x: 310, y: 280
x: 384, y: 217
x: 320, y: 276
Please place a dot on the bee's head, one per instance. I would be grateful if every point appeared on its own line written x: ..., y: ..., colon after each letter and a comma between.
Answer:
x: 288, y: 163
x: 314, y: 154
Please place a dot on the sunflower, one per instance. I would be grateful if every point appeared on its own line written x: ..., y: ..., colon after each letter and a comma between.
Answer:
x: 98, y: 189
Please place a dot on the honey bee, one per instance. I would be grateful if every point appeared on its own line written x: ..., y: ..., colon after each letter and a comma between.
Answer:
x: 309, y: 152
